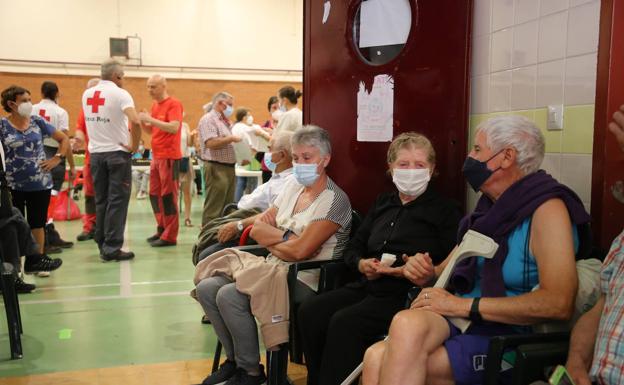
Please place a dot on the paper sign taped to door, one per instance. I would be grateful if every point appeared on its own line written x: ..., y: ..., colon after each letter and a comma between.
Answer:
x: 375, y: 110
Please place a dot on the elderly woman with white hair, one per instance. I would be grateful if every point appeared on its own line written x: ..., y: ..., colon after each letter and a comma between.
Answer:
x: 309, y: 220
x: 537, y: 223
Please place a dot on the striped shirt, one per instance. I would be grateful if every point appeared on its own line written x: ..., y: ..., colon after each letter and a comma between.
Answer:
x: 332, y: 204
x: 211, y: 126
x: 608, y: 363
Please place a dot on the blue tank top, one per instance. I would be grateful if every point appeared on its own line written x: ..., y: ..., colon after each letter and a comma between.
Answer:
x: 516, y: 281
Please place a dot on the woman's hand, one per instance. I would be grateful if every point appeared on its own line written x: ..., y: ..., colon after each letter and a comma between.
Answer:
x: 269, y: 217
x: 391, y: 271
x: 227, y: 232
x: 49, y: 164
x: 418, y: 268
x: 368, y: 267
x: 442, y: 302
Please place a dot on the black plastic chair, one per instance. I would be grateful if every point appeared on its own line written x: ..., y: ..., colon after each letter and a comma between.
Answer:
x: 277, y: 360
x: 8, y: 275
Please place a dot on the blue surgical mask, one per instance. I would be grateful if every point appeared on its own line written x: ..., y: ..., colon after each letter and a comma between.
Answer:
x: 477, y: 172
x: 228, y: 111
x: 282, y: 107
x: 268, y: 161
x: 305, y: 173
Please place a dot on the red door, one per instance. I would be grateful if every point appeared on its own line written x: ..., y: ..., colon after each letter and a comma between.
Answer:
x: 431, y: 89
x: 607, y: 204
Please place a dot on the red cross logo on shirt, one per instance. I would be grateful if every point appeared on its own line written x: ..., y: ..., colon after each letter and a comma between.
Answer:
x: 95, y: 102
x: 43, y: 115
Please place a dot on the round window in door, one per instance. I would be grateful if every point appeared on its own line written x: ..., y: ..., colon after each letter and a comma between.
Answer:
x: 381, y: 29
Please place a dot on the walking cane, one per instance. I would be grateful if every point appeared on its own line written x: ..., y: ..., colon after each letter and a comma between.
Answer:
x: 472, y: 244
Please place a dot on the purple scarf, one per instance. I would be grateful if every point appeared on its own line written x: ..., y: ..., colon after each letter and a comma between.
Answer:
x: 498, y: 219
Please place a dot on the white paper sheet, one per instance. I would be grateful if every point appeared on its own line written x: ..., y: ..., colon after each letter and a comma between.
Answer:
x: 326, y: 9
x: 242, y: 151
x: 375, y: 110
x: 384, y: 22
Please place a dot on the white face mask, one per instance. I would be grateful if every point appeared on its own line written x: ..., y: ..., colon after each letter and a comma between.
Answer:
x: 411, y: 181
x: 249, y: 120
x: 276, y: 115
x: 25, y: 109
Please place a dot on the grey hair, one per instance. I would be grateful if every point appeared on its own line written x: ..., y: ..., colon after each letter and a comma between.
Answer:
x: 282, y: 141
x: 207, y: 107
x: 109, y: 67
x: 520, y: 133
x: 219, y: 96
x: 93, y: 82
x: 314, y: 136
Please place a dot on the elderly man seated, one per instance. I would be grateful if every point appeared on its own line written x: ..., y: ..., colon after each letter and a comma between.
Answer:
x: 536, y: 222
x: 224, y: 232
x: 597, y: 343
x: 310, y: 219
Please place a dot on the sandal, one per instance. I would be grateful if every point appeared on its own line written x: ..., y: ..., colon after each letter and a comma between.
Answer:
x: 187, y: 222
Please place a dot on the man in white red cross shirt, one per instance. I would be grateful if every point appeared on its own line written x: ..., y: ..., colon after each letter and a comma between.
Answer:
x: 108, y: 108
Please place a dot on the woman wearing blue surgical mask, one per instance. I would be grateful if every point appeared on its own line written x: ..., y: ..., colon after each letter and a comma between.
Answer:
x: 309, y: 220
x: 339, y: 325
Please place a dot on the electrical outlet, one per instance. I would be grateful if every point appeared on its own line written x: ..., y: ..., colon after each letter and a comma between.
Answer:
x: 555, y: 117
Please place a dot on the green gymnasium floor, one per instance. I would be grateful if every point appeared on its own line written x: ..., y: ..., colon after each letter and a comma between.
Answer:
x: 90, y: 314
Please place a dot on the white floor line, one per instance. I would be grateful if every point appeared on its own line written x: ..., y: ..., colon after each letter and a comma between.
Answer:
x: 105, y: 298
x: 125, y: 279
x: 125, y: 271
x: 145, y: 283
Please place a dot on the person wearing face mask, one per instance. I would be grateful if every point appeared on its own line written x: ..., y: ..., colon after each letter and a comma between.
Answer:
x: 218, y: 155
x: 338, y: 326
x: 291, y: 117
x: 27, y: 169
x: 224, y: 232
x: 309, y: 220
x: 268, y: 127
x: 540, y: 227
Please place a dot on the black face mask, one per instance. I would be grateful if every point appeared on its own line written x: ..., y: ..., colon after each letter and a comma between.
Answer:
x: 477, y: 172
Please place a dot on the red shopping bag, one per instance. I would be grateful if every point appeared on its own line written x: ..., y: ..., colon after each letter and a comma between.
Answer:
x: 66, y: 209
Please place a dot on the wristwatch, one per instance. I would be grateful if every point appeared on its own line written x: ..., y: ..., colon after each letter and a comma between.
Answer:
x: 286, y: 235
x: 475, y: 315
x: 239, y: 226
x: 60, y: 156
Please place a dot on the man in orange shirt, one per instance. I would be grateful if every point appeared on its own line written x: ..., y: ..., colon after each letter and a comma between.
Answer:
x: 164, y: 126
x: 81, y: 141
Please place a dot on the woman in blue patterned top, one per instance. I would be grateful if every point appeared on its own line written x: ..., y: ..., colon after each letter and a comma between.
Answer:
x: 27, y: 170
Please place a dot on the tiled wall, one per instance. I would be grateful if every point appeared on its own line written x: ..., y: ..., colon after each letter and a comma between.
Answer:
x: 528, y: 54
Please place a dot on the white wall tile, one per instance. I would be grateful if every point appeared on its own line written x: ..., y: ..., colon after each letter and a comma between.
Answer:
x: 583, y: 28
x: 501, y: 50
x: 526, y: 10
x: 552, y: 165
x: 551, y: 6
x: 525, y: 44
x: 550, y: 83
x: 523, y: 88
x: 482, y: 17
x: 552, y: 37
x: 580, y: 80
x: 500, y: 91
x: 576, y: 174
x: 479, y: 90
x: 481, y: 55
x: 502, y: 14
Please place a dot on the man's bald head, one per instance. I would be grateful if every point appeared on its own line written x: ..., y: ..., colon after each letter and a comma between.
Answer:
x: 93, y: 82
x: 157, y: 87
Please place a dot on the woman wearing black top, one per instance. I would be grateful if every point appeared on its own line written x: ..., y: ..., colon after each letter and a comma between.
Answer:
x: 338, y: 326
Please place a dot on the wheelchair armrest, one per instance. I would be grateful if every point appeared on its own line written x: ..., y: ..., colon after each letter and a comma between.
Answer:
x: 499, y: 344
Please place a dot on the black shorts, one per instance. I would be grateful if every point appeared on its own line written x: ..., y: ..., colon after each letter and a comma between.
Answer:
x: 58, y: 172
x: 33, y: 205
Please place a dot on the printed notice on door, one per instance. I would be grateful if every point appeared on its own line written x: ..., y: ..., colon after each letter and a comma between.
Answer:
x: 375, y: 109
